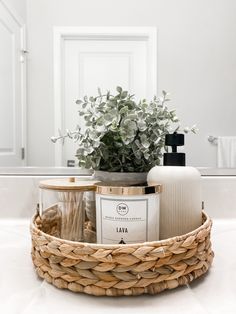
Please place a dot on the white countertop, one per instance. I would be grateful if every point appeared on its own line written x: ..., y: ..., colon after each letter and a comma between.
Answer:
x: 44, y: 171
x: 21, y: 292
x: 75, y: 171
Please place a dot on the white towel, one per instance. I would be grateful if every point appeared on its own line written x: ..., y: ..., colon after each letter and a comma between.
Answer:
x: 227, y: 151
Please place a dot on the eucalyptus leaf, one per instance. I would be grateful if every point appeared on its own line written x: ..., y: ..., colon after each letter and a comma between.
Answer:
x: 99, y: 91
x: 124, y: 94
x: 122, y: 134
x: 79, y: 101
x: 101, y: 121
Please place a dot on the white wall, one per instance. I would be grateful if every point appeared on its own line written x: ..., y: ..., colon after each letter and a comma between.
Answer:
x: 196, y: 63
x: 19, y: 6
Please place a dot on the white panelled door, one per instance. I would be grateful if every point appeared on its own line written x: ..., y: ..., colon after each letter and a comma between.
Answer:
x: 104, y: 61
x: 11, y: 89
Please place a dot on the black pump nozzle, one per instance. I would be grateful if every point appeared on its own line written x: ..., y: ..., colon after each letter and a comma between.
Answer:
x: 174, y: 158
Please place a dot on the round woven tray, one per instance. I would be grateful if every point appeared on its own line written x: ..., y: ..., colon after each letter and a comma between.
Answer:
x: 115, y: 270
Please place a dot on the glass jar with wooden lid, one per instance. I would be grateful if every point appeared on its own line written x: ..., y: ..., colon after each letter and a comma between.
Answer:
x: 69, y: 203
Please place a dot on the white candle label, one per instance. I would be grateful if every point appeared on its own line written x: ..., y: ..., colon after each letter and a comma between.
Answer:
x: 123, y: 221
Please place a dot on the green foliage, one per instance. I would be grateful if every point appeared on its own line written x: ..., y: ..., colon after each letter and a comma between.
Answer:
x: 121, y: 134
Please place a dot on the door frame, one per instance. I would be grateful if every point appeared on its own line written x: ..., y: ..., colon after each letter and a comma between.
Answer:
x: 60, y: 34
x: 23, y: 102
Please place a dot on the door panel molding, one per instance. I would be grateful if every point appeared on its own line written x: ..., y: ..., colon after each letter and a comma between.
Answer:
x: 61, y: 34
x: 102, y: 54
x: 13, y: 13
x: 12, y: 21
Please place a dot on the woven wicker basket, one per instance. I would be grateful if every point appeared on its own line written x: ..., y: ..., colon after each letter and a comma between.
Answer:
x: 115, y: 270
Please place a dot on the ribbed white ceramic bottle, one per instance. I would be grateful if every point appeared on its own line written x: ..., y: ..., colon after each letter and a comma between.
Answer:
x: 180, y: 201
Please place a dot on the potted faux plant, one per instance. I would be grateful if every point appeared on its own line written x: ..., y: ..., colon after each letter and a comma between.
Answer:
x: 122, y: 135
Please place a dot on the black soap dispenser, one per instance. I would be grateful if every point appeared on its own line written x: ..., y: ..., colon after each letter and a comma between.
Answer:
x: 174, y: 158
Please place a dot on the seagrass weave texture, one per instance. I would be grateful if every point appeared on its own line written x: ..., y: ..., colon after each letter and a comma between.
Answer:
x: 115, y: 270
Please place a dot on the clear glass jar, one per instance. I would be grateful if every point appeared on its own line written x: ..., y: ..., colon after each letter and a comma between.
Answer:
x: 67, y: 208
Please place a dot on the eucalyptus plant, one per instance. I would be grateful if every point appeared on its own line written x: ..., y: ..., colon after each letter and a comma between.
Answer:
x: 120, y: 134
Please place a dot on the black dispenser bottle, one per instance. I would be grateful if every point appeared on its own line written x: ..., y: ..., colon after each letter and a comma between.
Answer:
x: 174, y: 158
